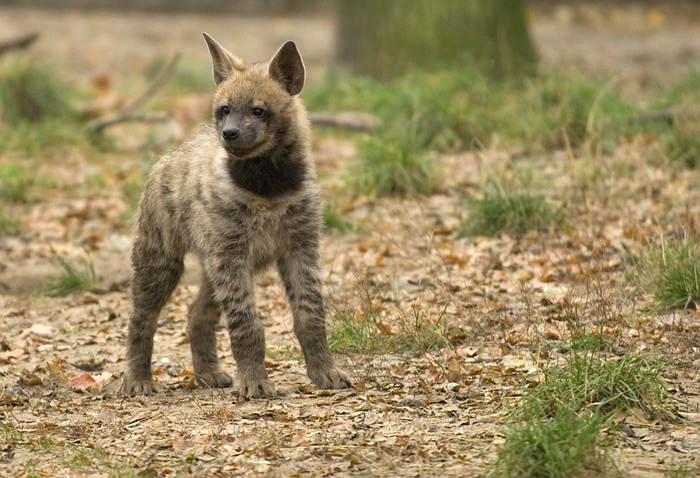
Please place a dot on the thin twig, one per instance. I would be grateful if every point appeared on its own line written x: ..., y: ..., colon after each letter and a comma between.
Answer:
x: 120, y: 117
x: 129, y: 112
x: 18, y: 43
x: 157, y: 84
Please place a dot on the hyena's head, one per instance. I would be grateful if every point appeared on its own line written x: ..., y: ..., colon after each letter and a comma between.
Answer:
x: 255, y: 105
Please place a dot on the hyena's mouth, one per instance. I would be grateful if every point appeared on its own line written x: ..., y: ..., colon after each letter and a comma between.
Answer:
x: 245, y: 155
x: 239, y: 152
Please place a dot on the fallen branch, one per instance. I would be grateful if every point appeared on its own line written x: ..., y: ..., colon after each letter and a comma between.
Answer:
x: 669, y: 115
x: 121, y: 117
x: 354, y: 120
x: 18, y: 43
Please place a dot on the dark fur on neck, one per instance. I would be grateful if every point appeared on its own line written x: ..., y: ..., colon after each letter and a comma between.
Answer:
x: 274, y: 173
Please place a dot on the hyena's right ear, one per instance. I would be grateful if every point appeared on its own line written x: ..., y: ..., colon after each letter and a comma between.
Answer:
x: 223, y: 62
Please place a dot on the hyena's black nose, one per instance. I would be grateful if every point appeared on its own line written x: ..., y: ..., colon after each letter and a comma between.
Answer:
x: 230, y: 133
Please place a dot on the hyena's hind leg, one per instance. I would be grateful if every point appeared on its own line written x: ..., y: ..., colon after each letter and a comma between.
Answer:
x: 155, y: 276
x: 202, y: 323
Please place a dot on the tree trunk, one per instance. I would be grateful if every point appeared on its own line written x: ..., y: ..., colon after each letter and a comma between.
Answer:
x: 385, y: 38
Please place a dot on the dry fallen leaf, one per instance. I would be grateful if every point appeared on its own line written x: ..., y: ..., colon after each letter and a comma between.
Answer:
x: 84, y: 381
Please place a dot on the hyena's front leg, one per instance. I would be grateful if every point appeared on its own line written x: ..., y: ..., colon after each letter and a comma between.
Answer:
x: 202, y: 321
x: 300, y: 274
x: 155, y: 276
x: 233, y: 290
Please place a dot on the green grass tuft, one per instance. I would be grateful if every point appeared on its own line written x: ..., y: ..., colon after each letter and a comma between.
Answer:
x: 355, y: 335
x: 557, y: 428
x: 587, y: 381
x: 514, y: 213
x: 420, y: 333
x: 38, y: 111
x: 14, y: 183
x: 31, y: 92
x: 566, y: 445
x: 682, y: 144
x: 392, y: 169
x: 360, y: 334
x: 73, y: 278
x: 585, y: 341
x: 672, y: 273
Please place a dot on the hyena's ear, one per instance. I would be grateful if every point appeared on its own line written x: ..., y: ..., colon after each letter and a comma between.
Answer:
x: 222, y: 61
x: 287, y: 68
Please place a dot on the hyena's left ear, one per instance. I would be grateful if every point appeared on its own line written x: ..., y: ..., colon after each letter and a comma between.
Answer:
x: 287, y: 68
x: 222, y: 61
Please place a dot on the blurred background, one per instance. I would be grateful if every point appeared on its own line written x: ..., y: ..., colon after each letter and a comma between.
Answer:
x: 647, y: 39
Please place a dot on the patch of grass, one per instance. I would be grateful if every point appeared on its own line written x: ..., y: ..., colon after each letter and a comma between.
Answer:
x: 459, y: 108
x: 14, y: 183
x: 679, y: 471
x: 9, y: 224
x: 512, y: 212
x: 573, y: 109
x: 7, y: 431
x: 685, y: 91
x: 15, y: 187
x: 38, y: 110
x: 419, y: 333
x: 31, y: 92
x: 50, y: 137
x: 585, y: 341
x: 587, y: 381
x: 557, y: 428
x: 682, y: 144
x: 435, y: 110
x: 392, y: 169
x: 73, y: 278
x: 334, y: 220
x: 671, y: 273
x: 566, y: 445
x: 358, y: 334
x: 72, y: 457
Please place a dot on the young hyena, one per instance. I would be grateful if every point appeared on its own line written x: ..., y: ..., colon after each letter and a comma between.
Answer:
x: 241, y: 195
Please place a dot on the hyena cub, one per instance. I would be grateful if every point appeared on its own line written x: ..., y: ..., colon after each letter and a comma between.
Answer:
x: 241, y: 195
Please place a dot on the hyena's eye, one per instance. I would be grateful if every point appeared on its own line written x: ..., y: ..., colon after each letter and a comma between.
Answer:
x: 224, y: 110
x: 258, y: 111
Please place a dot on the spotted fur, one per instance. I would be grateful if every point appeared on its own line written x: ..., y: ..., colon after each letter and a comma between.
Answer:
x: 240, y: 196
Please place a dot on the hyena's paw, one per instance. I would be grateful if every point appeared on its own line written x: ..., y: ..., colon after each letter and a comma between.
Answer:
x: 251, y: 388
x: 131, y: 386
x: 215, y: 379
x: 331, y: 377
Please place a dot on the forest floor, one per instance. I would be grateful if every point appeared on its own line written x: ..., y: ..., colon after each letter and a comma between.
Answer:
x: 503, y: 302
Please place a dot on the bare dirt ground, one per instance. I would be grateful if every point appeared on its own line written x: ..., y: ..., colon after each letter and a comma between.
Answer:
x: 431, y: 414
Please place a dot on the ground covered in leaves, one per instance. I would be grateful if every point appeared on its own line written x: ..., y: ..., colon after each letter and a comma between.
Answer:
x: 442, y: 333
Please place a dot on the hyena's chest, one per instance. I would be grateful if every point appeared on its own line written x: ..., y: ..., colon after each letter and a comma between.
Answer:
x: 256, y: 240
